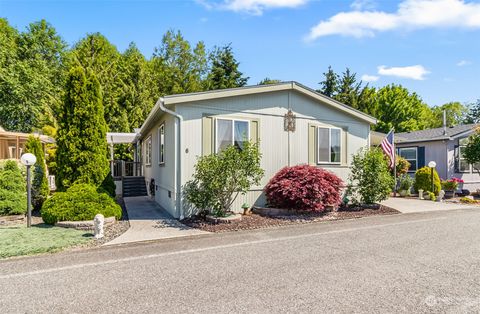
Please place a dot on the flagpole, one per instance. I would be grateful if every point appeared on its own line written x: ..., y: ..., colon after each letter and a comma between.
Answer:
x: 394, y: 164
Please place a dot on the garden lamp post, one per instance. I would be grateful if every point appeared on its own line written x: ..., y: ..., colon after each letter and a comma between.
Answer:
x: 29, y: 160
x: 432, y: 164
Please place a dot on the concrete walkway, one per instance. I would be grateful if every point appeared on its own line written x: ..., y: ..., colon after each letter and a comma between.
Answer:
x: 409, y: 205
x: 148, y: 221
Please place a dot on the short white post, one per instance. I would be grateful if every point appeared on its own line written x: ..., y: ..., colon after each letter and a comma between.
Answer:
x: 98, y: 223
x: 420, y: 194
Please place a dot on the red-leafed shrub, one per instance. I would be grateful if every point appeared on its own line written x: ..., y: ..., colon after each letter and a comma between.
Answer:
x: 303, y: 187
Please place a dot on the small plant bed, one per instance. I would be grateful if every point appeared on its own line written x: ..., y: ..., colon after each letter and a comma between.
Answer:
x: 464, y: 200
x: 255, y: 221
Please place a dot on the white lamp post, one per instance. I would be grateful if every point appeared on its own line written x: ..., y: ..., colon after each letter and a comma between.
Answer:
x: 29, y: 160
x: 432, y: 164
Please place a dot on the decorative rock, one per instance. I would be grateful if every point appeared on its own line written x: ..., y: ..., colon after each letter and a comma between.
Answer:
x: 228, y: 219
x: 85, y: 224
x: 98, y: 229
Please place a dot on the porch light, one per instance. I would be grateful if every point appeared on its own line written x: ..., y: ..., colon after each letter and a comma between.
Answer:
x: 29, y: 160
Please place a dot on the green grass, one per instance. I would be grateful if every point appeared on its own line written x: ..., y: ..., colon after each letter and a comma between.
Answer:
x: 20, y: 240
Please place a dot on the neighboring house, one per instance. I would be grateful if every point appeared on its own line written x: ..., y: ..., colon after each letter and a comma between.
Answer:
x: 442, y: 145
x: 292, y: 124
x: 12, y: 144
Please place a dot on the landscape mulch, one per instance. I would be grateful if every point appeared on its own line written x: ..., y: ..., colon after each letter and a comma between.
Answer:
x: 255, y: 221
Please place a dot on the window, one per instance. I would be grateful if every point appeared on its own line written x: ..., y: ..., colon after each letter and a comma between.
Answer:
x: 161, y: 144
x: 148, y: 151
x: 463, y: 165
x: 329, y: 145
x: 410, y: 154
x: 231, y: 132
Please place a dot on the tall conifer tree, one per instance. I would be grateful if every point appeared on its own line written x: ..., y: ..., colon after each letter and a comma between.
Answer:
x: 81, y: 138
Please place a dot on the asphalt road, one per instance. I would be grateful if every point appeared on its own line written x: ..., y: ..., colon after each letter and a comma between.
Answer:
x: 408, y: 263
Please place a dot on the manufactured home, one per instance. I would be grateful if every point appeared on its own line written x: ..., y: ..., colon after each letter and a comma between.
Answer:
x: 293, y: 125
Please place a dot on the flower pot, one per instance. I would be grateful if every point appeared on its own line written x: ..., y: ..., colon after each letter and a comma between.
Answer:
x: 449, y: 194
x: 403, y: 193
x: 426, y: 196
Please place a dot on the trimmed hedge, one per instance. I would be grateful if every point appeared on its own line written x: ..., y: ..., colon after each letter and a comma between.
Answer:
x: 80, y: 202
x: 304, y: 187
x: 423, y: 180
x: 13, y: 197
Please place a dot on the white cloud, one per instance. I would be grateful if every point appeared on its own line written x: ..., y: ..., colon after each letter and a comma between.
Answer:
x: 359, y: 5
x: 462, y: 63
x: 370, y: 78
x: 411, y: 14
x: 254, y: 7
x: 414, y: 72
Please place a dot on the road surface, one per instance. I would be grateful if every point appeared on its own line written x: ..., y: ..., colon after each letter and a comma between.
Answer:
x: 425, y: 262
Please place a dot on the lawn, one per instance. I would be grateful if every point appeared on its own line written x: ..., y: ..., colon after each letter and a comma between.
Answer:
x: 41, y: 238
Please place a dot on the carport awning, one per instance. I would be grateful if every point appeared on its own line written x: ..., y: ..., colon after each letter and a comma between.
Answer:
x: 120, y: 138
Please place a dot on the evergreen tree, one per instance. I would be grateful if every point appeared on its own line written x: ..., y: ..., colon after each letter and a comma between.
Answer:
x: 177, y: 67
x: 224, y: 72
x: 97, y: 54
x: 267, y: 81
x: 329, y: 86
x: 81, y: 138
x: 348, y: 89
x: 40, y: 187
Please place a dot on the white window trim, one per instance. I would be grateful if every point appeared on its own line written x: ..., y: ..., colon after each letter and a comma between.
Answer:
x: 469, y: 170
x: 416, y: 156
x: 160, y: 128
x: 233, y: 129
x: 329, y: 146
x: 148, y: 151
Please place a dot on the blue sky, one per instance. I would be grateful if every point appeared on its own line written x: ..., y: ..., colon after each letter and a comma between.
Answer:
x: 430, y: 46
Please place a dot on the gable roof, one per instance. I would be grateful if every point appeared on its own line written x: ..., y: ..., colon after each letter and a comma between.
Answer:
x: 436, y: 134
x: 256, y: 89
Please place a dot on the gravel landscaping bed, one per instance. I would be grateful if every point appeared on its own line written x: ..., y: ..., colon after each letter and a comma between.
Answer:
x: 255, y: 221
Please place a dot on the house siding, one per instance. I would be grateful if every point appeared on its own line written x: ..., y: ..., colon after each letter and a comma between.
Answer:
x: 278, y: 147
x: 164, y: 175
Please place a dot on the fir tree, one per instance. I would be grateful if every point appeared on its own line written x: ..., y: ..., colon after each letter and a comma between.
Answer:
x: 224, y: 72
x: 81, y: 138
x: 329, y: 86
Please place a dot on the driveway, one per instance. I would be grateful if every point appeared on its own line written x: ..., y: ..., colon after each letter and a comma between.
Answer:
x: 412, y: 263
x: 410, y: 205
x: 148, y: 221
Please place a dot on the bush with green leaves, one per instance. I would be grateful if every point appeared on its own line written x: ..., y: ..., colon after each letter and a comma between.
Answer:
x: 79, y: 202
x: 13, y: 197
x: 423, y: 180
x: 402, y: 165
x: 370, y: 180
x: 471, y: 152
x: 40, y: 189
x: 220, y: 178
x: 405, y: 182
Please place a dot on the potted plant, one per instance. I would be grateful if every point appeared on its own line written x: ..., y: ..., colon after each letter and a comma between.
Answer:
x: 405, y: 183
x: 449, y: 186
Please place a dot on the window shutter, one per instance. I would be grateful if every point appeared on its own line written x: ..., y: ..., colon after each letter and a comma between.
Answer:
x: 207, y: 136
x: 254, y: 131
x: 421, y: 157
x: 311, y: 144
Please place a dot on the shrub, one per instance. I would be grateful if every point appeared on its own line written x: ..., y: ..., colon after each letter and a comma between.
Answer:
x: 370, y: 177
x: 467, y: 200
x: 40, y: 189
x: 449, y: 185
x: 405, y: 182
x: 423, y: 180
x: 108, y: 185
x: 13, y: 197
x: 79, y: 202
x: 303, y: 187
x: 402, y: 165
x: 220, y: 178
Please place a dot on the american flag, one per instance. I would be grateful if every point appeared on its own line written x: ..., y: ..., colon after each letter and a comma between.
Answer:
x: 389, y: 148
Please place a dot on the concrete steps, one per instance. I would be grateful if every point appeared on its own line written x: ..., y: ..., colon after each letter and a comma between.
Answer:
x: 134, y: 186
